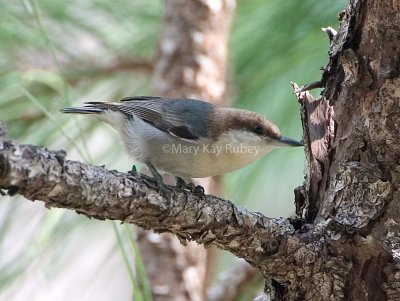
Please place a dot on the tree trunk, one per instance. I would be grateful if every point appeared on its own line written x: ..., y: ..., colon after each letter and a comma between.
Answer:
x: 348, y: 250
x: 191, y: 63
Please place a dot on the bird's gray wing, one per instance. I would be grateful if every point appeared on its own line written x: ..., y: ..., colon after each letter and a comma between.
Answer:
x: 183, y: 118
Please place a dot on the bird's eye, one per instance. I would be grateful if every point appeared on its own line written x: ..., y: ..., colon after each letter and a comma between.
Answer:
x: 257, y: 129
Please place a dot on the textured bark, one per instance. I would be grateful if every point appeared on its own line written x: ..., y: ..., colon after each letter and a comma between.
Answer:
x: 40, y: 174
x: 191, y: 63
x: 350, y: 198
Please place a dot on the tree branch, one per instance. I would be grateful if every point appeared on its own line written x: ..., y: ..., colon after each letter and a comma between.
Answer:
x: 40, y: 174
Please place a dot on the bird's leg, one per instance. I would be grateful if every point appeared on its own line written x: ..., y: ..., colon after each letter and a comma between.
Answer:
x: 180, y: 183
x: 158, y: 179
x: 197, y: 189
x: 156, y: 175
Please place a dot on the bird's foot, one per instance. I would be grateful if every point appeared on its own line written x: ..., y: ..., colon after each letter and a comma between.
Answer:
x: 196, y: 189
x: 155, y: 179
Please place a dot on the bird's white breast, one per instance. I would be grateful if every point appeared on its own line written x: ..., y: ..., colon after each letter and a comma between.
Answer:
x: 197, y: 159
x: 202, y: 158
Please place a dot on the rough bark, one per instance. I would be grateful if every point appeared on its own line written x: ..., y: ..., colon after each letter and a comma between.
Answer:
x: 40, y: 174
x: 351, y: 197
x: 345, y: 245
x: 191, y: 63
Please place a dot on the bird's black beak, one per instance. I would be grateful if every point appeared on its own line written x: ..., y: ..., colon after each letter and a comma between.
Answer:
x: 285, y: 141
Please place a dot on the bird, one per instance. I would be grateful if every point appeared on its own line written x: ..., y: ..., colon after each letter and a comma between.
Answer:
x: 187, y: 138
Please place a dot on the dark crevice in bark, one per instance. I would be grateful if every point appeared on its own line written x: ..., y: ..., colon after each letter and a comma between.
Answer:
x: 280, y: 290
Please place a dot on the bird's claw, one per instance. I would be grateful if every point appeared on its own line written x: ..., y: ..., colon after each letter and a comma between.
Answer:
x: 196, y: 189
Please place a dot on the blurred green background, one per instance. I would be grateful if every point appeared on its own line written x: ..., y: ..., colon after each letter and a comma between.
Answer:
x: 54, y: 54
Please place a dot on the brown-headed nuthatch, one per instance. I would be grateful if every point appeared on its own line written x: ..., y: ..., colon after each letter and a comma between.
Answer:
x: 186, y: 137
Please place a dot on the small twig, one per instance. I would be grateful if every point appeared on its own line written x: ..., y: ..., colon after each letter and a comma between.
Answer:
x: 308, y: 87
x: 321, y: 83
x: 75, y: 66
x: 330, y: 32
x: 141, y: 64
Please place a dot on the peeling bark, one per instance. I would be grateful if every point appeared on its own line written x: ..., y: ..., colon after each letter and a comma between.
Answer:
x: 351, y: 191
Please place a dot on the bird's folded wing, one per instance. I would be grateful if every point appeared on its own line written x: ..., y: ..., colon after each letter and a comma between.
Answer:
x: 173, y: 116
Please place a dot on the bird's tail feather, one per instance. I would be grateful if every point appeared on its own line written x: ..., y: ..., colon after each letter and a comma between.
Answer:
x: 82, y: 110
